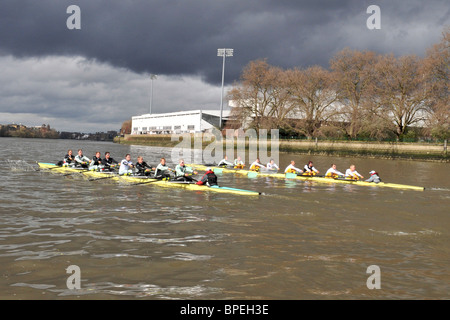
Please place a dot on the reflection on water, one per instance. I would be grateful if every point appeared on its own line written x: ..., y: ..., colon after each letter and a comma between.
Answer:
x: 300, y: 240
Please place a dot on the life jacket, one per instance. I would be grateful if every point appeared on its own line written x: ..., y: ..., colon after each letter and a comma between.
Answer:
x: 209, y: 178
x: 212, y: 178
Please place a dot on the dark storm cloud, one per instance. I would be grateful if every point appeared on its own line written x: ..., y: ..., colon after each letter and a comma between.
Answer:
x: 181, y: 37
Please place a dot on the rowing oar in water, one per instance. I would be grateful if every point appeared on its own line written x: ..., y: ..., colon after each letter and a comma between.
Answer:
x: 112, y: 175
x: 150, y: 180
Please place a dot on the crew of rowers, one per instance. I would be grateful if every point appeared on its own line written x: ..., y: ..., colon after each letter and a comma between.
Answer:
x: 308, y: 169
x: 184, y: 173
x: 140, y: 168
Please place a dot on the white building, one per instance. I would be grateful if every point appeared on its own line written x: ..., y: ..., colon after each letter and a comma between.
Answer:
x: 177, y: 122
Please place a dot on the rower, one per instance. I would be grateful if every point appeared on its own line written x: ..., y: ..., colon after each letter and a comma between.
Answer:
x: 209, y: 178
x: 162, y: 171
x: 351, y: 173
x: 143, y: 169
x: 108, y: 162
x: 81, y: 160
x: 333, y: 173
x: 69, y: 159
x: 309, y: 169
x: 238, y: 163
x: 272, y: 166
x: 292, y: 168
x: 374, y: 177
x: 224, y: 162
x: 96, y: 162
x: 256, y: 166
x: 126, y: 166
x: 183, y: 173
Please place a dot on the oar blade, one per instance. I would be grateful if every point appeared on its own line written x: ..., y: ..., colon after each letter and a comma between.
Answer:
x: 252, y: 174
x: 290, y: 175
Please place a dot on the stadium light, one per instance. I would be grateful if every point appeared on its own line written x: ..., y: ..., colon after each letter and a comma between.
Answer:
x: 223, y: 53
x: 152, y: 77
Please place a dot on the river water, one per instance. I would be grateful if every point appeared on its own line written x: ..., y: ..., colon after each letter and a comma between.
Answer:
x: 299, y: 240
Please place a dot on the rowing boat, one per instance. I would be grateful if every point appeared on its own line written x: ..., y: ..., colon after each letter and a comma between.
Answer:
x: 188, y: 185
x: 254, y: 174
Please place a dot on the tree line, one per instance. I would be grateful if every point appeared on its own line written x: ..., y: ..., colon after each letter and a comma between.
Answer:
x: 362, y: 95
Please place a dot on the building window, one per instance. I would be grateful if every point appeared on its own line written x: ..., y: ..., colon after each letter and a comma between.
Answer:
x: 191, y: 127
x: 152, y: 128
x: 177, y: 128
x: 167, y: 127
x: 144, y: 128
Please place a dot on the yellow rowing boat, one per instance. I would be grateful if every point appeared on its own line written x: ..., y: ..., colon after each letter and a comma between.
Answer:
x: 253, y: 174
x: 96, y: 175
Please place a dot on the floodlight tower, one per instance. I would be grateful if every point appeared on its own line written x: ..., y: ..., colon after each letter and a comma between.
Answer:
x: 223, y: 53
x: 152, y: 77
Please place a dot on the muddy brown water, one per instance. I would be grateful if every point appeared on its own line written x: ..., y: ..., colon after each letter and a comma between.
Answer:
x: 299, y: 240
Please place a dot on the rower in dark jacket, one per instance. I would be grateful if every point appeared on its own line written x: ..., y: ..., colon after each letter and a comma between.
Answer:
x: 69, y: 159
x: 109, y: 162
x: 143, y: 169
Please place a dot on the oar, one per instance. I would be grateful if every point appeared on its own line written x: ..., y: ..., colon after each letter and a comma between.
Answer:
x: 151, y: 180
x: 102, y: 178
x: 291, y: 175
x: 252, y: 174
x: 79, y: 171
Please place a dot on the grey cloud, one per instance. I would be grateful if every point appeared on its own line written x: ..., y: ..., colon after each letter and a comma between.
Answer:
x: 181, y: 37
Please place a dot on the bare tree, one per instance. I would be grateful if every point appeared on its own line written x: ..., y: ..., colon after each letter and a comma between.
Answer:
x: 437, y: 74
x: 261, y: 95
x: 312, y: 92
x: 354, y: 72
x: 399, y: 91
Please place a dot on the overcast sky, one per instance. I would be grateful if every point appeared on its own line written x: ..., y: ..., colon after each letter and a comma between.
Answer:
x: 94, y: 78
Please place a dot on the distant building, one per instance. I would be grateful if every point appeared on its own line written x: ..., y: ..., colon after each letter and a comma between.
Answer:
x: 178, y: 122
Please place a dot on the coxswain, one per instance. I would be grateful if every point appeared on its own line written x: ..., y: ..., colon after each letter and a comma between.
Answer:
x: 333, y: 172
x: 224, y: 162
x: 183, y: 173
x: 256, y: 166
x: 81, y: 160
x: 351, y: 173
x: 209, y: 178
x: 162, y: 171
x: 126, y: 166
x: 238, y: 163
x: 272, y: 166
x: 143, y: 169
x: 374, y: 177
x: 108, y: 162
x: 291, y: 168
x: 309, y: 169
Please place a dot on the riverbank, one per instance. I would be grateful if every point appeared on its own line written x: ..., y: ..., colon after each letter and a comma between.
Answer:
x: 381, y: 150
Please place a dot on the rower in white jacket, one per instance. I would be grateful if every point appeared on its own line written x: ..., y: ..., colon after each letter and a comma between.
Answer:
x: 352, y: 173
x: 292, y: 168
x: 332, y: 172
x: 81, y: 160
